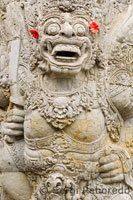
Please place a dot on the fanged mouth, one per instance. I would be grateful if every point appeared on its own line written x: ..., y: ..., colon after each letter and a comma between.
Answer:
x: 65, y: 53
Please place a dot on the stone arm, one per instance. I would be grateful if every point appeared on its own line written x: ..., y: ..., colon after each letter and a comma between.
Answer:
x: 11, y: 111
x: 12, y: 126
x: 121, y: 95
x: 122, y: 98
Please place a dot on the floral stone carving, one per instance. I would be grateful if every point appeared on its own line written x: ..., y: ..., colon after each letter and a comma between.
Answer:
x: 66, y: 100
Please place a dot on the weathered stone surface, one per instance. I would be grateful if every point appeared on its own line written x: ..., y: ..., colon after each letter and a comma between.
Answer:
x: 66, y: 100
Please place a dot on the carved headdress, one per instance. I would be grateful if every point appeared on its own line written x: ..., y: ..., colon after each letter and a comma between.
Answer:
x: 76, y: 6
x: 36, y: 11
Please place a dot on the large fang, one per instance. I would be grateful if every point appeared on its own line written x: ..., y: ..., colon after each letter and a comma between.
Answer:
x: 49, y: 47
x: 83, y: 48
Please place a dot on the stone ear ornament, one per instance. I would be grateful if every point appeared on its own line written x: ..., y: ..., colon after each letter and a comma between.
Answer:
x: 34, y: 34
x: 94, y: 27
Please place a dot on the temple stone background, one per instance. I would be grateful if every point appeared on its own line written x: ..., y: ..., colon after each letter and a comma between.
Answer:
x: 66, y: 99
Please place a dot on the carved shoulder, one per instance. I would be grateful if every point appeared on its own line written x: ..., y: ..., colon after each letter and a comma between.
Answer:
x: 121, y: 78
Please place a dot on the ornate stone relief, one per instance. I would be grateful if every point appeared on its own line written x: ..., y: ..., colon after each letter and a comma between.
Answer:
x: 66, y: 100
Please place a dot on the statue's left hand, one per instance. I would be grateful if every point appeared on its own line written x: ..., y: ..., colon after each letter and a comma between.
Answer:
x: 111, y: 169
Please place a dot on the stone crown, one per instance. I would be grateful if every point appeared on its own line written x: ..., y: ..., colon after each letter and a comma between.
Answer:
x: 78, y: 6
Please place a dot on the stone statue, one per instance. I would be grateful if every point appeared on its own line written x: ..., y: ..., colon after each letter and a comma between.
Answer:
x: 66, y: 99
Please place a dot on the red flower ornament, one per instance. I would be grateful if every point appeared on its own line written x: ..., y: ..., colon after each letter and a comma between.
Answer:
x: 94, y: 27
x: 34, y: 34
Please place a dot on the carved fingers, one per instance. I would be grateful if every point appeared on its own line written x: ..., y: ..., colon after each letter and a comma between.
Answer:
x: 16, y: 112
x: 111, y: 170
x: 115, y: 179
x: 13, y: 125
x: 15, y: 119
x: 111, y: 173
x: 12, y: 129
x: 108, y: 159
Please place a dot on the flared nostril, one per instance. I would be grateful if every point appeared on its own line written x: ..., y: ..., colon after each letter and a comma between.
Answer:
x: 67, y: 30
x: 73, y: 34
x: 62, y: 34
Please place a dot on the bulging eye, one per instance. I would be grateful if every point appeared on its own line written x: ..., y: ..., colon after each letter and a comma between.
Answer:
x: 80, y: 29
x: 53, y: 29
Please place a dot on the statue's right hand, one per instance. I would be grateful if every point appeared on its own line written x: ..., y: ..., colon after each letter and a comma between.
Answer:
x: 13, y: 125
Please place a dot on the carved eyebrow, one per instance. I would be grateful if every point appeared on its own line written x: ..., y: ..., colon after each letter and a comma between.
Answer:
x: 80, y: 20
x: 50, y: 19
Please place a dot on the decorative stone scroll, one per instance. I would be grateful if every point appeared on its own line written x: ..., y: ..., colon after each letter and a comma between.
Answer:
x: 66, y: 100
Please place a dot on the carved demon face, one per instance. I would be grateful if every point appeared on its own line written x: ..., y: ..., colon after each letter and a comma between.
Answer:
x: 65, y: 44
x: 55, y: 183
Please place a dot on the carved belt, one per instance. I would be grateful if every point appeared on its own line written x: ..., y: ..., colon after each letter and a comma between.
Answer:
x: 66, y: 144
